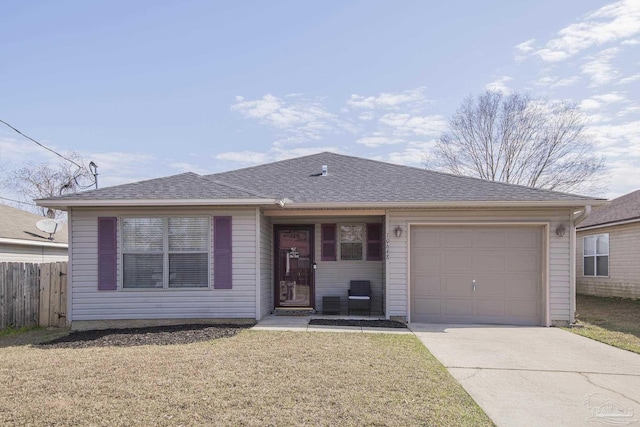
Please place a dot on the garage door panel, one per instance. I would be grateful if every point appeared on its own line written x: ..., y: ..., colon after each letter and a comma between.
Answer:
x: 524, y: 309
x: 459, y: 285
x: 458, y: 307
x: 521, y: 286
x: 425, y: 238
x: 523, y: 238
x: 523, y: 261
x: 427, y: 307
x: 490, y: 260
x: 490, y: 239
x: 490, y: 307
x: 456, y: 261
x: 426, y: 261
x: 505, y: 262
x: 457, y: 239
x: 426, y: 285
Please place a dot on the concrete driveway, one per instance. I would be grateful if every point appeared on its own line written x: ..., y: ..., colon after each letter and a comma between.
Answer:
x: 528, y: 376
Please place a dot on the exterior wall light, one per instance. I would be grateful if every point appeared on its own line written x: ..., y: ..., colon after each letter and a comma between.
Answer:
x: 560, y: 231
x: 398, y: 231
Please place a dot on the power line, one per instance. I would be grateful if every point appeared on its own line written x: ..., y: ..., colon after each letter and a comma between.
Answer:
x: 42, y: 145
x: 18, y: 201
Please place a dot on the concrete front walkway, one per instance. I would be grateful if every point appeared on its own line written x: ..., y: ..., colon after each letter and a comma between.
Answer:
x: 528, y: 376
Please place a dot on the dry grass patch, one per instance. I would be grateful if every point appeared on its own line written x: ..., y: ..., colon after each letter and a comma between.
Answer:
x: 257, y: 378
x: 613, y: 321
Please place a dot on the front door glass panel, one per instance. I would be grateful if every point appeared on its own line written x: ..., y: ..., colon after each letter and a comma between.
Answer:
x: 294, y: 269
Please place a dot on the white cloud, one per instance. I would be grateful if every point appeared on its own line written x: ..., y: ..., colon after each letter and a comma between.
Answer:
x: 366, y: 116
x: 499, y: 85
x: 189, y: 167
x: 413, y: 97
x: 599, y: 68
x: 250, y: 157
x: 527, y: 46
x: 598, y: 102
x: 613, y: 22
x: 301, y: 119
x: 406, y: 124
x: 631, y: 42
x: 629, y: 79
x: 377, y: 140
x: 274, y: 154
x: 553, y: 81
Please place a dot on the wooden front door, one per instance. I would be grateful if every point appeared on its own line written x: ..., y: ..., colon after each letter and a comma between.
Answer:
x: 294, y: 266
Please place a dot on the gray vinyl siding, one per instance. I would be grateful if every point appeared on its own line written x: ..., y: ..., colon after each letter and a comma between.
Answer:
x: 266, y: 266
x: 332, y: 277
x: 558, y: 260
x: 624, y: 263
x: 28, y: 253
x: 90, y: 304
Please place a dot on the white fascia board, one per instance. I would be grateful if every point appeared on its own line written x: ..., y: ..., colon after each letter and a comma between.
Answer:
x: 454, y: 204
x: 33, y: 243
x: 63, y: 204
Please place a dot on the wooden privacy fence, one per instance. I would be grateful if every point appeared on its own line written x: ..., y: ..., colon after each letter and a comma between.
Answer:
x: 33, y: 294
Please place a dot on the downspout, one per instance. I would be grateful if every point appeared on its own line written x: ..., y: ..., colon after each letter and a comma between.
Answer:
x: 575, y: 220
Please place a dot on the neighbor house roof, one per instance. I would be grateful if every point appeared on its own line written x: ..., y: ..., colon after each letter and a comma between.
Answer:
x: 19, y: 227
x: 351, y: 181
x: 623, y: 209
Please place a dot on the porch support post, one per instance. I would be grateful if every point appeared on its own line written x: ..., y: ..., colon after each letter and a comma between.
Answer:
x: 258, y: 266
x: 386, y: 263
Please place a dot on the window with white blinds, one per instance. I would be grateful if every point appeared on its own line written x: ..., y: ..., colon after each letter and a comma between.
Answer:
x: 165, y: 252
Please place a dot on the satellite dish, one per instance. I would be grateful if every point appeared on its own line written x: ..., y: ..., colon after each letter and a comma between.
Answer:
x: 48, y: 226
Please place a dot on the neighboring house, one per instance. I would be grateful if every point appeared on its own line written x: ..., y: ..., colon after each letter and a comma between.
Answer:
x: 608, y: 249
x: 21, y: 241
x: 241, y: 244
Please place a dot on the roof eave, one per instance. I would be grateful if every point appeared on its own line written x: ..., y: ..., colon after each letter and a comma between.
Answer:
x: 454, y: 204
x: 608, y: 224
x: 64, y: 204
x: 47, y: 243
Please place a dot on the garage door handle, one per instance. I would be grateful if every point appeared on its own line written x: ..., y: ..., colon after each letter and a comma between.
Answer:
x: 474, y: 285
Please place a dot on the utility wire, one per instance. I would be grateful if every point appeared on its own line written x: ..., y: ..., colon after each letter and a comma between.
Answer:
x: 18, y: 201
x: 42, y: 145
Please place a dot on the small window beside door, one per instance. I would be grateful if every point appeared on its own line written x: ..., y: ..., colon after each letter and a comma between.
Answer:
x: 351, y: 242
x: 596, y: 255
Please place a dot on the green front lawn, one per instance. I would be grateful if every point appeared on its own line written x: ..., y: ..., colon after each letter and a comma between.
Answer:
x: 256, y: 378
x: 614, y: 321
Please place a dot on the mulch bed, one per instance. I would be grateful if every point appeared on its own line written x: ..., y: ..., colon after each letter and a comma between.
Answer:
x: 361, y: 323
x: 157, y: 335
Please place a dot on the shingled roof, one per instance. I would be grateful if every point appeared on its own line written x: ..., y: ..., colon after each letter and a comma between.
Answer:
x: 350, y: 180
x: 183, y: 186
x: 624, y: 208
x: 17, y: 224
x: 354, y: 179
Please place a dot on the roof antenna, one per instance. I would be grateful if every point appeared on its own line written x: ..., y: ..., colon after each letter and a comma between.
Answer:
x: 324, y: 170
x: 93, y: 168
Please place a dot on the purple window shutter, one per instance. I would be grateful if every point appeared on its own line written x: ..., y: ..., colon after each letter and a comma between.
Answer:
x: 107, y: 253
x: 328, y: 238
x: 222, y: 272
x: 374, y: 242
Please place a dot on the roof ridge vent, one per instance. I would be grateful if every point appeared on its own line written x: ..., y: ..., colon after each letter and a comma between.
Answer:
x: 324, y: 170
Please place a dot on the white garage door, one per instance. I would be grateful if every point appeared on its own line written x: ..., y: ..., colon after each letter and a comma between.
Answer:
x: 481, y: 274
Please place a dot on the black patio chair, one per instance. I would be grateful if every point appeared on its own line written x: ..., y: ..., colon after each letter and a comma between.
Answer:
x: 359, y: 296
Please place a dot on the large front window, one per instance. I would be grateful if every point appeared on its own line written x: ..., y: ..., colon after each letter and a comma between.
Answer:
x: 165, y: 252
x: 596, y: 255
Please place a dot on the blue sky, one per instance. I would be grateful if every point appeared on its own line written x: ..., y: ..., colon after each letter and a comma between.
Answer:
x: 154, y: 88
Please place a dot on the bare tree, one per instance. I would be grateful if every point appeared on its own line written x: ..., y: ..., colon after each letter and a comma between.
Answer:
x: 520, y: 140
x: 42, y: 180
